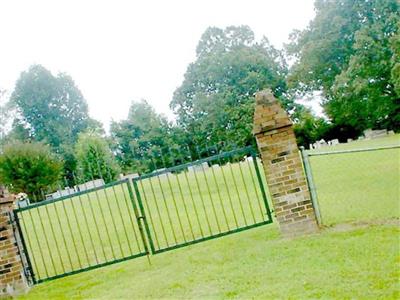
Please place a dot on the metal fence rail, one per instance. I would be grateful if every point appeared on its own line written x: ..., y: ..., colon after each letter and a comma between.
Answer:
x: 80, y: 232
x: 354, y: 184
x: 201, y: 200
x: 94, y: 221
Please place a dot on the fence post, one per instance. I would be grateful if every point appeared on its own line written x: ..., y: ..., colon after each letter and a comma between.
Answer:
x: 311, y: 185
x: 12, y: 276
x: 283, y: 167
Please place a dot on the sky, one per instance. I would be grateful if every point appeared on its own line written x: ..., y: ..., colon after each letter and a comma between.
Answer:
x: 122, y: 51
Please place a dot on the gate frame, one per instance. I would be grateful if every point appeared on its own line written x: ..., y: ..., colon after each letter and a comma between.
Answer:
x: 29, y: 266
x: 246, y: 150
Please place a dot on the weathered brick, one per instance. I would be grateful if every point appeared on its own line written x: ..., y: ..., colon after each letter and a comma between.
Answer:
x: 283, y: 166
x: 11, y: 268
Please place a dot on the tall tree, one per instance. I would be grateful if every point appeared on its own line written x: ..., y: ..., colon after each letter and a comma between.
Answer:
x: 215, y: 101
x: 136, y: 137
x: 52, y: 108
x: 94, y: 158
x: 345, y: 52
x: 30, y: 168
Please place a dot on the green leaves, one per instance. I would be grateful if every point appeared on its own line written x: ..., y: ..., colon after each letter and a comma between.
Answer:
x: 52, y: 108
x: 29, y: 168
x: 348, y: 51
x: 94, y: 158
x: 215, y: 101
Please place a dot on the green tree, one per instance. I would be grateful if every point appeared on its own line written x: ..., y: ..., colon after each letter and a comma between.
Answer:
x: 215, y: 101
x: 52, y: 108
x: 345, y: 53
x: 136, y: 138
x: 30, y: 168
x: 395, y: 61
x: 309, y: 128
x: 94, y: 158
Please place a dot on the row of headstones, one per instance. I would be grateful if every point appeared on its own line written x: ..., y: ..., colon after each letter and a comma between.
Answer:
x: 367, y: 135
x: 322, y: 143
x: 191, y: 169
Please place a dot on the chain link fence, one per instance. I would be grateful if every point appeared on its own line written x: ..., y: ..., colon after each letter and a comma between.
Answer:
x: 354, y: 184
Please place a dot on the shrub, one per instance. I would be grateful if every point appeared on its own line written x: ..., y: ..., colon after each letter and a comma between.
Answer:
x: 94, y: 158
x: 29, y: 168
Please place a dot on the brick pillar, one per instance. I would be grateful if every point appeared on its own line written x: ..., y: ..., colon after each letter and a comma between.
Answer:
x: 12, y: 277
x: 283, y: 167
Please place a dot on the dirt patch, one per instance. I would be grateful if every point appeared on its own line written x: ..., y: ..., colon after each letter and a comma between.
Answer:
x: 361, y: 224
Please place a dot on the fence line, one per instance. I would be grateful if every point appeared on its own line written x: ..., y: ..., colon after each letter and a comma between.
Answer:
x: 346, y: 187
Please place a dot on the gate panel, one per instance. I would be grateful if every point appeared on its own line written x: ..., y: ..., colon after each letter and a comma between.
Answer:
x: 82, y: 231
x: 205, y: 199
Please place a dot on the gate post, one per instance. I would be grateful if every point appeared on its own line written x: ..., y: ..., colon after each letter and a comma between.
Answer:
x: 12, y: 277
x: 283, y: 167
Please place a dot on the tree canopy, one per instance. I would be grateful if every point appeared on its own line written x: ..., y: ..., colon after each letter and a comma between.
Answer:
x: 215, y: 101
x: 349, y: 53
x: 30, y: 168
x: 94, y: 158
x: 141, y: 133
x: 51, y: 108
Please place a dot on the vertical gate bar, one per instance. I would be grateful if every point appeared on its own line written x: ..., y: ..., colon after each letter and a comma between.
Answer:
x: 38, y: 244
x: 146, y: 204
x: 109, y: 208
x: 183, y: 199
x: 255, y: 188
x: 185, y: 206
x: 192, y: 198
x: 311, y: 185
x: 201, y: 196
x: 229, y: 193
x: 174, y: 200
x: 238, y: 194
x: 88, y: 229
x: 164, y: 199
x: 55, y: 239
x: 78, y: 224
x: 120, y: 213
x: 25, y: 248
x: 218, y: 191
x: 263, y: 194
x: 158, y: 211
x: 166, y: 207
x: 209, y: 193
x: 139, y: 217
x: 63, y: 235
x: 129, y: 210
x: 95, y: 221
x: 47, y: 241
x: 246, y: 191
x: 102, y: 214
x: 72, y: 234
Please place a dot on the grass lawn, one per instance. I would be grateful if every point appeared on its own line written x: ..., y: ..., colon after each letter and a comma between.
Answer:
x: 359, y: 185
x: 355, y: 262
x: 358, y: 263
x: 101, y: 226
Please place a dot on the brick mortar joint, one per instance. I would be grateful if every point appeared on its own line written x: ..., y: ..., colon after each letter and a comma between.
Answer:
x: 256, y: 134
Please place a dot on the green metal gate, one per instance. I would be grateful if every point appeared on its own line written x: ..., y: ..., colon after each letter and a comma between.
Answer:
x: 201, y: 200
x: 159, y: 211
x: 80, y: 232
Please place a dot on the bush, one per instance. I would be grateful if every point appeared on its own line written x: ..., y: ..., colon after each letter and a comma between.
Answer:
x: 94, y: 158
x: 29, y: 168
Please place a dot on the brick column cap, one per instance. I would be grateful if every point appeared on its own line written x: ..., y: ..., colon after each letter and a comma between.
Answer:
x: 5, y: 196
x: 268, y: 115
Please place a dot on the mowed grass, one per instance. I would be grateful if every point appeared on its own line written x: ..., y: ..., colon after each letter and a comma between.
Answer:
x: 349, y: 263
x: 359, y: 185
x: 101, y: 226
x: 355, y: 264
